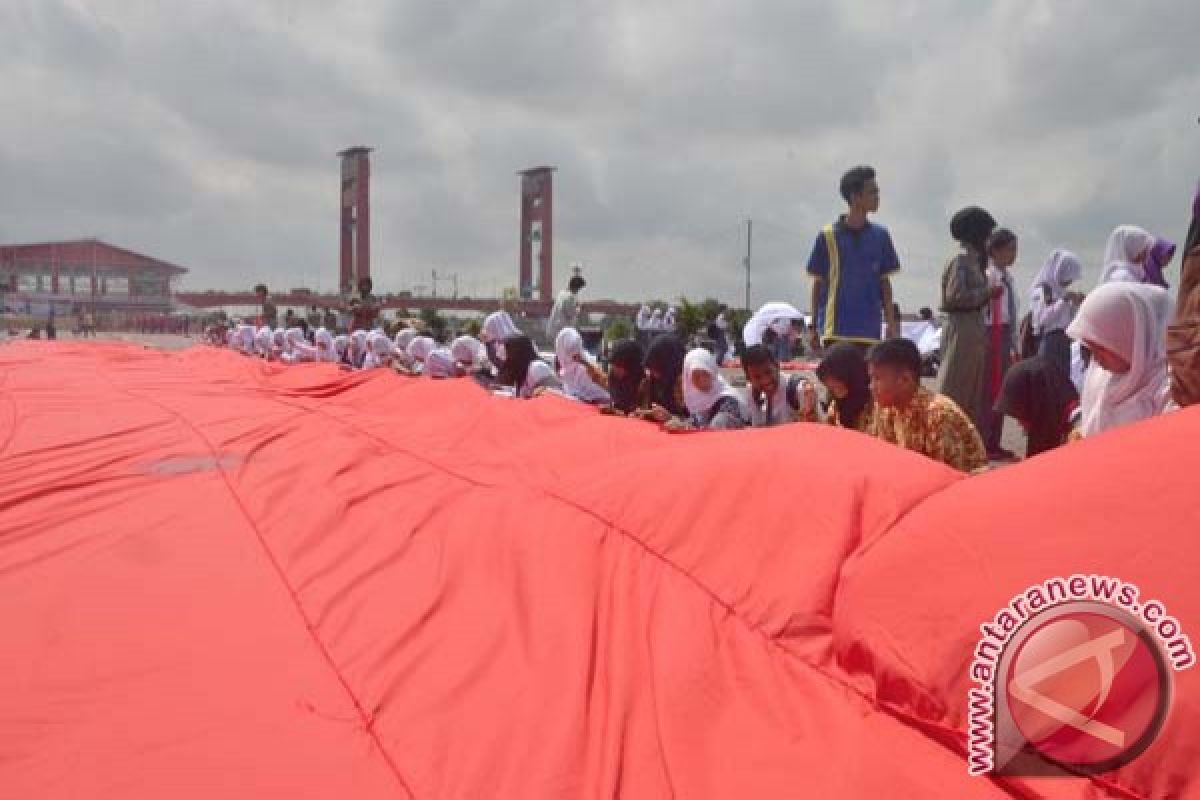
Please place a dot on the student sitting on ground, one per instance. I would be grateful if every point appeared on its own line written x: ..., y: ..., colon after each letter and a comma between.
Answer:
x: 774, y: 401
x: 522, y: 370
x: 581, y: 379
x: 440, y: 364
x: 915, y: 418
x: 711, y: 402
x: 626, y: 372
x: 661, y: 393
x: 844, y: 373
x: 1037, y: 395
x: 418, y: 350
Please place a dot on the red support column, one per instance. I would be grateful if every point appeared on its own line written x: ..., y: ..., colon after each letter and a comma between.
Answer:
x: 537, y: 232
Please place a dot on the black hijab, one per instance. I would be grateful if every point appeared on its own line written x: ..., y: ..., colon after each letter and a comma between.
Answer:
x: 1037, y: 393
x: 846, y: 363
x: 972, y: 226
x: 627, y: 355
x: 519, y: 353
x: 665, y: 357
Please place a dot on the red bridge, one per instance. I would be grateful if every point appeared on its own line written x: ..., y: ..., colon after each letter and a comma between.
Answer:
x: 533, y: 308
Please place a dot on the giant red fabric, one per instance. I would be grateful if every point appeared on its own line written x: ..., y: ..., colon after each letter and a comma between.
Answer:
x: 226, y: 579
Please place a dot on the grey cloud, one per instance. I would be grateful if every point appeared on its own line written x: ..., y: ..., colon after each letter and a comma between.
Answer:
x: 206, y: 133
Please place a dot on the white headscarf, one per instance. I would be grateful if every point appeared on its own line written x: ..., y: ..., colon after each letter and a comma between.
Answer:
x: 768, y: 316
x: 379, y: 349
x: 262, y: 341
x: 420, y: 348
x: 244, y: 340
x: 297, y: 349
x: 643, y: 317
x: 576, y: 380
x: 358, y: 347
x: 1059, y: 271
x: 325, y: 348
x: 1125, y: 244
x: 498, y: 326
x: 1129, y: 319
x: 656, y: 320
x: 467, y: 351
x: 440, y: 364
x: 698, y: 402
x: 669, y: 319
x: 341, y: 344
x: 404, y: 336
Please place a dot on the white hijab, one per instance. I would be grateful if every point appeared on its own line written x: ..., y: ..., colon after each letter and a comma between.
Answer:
x: 656, y: 320
x: 698, y: 402
x: 467, y: 351
x: 420, y: 348
x: 1130, y: 319
x: 768, y: 316
x: 669, y: 319
x: 341, y: 344
x: 498, y: 326
x: 1125, y: 244
x: 643, y: 317
x: 297, y: 349
x: 576, y: 380
x: 358, y: 346
x: 325, y: 346
x: 244, y: 340
x: 262, y: 341
x: 404, y: 336
x: 440, y: 364
x: 379, y: 349
x: 1061, y: 269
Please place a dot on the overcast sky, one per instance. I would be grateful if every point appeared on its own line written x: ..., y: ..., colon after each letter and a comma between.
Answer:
x: 205, y: 133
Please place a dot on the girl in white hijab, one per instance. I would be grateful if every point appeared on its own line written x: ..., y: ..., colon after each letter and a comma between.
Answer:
x: 1051, y: 307
x: 326, y: 352
x: 778, y: 316
x: 419, y: 350
x: 656, y: 320
x: 244, y: 341
x: 379, y: 350
x: 497, y: 327
x: 581, y: 379
x: 711, y: 401
x: 643, y: 318
x: 668, y: 322
x: 1125, y: 255
x: 262, y: 342
x: 1125, y: 327
x: 341, y: 349
x: 468, y: 353
x: 358, y: 348
x: 297, y: 350
x: 440, y: 364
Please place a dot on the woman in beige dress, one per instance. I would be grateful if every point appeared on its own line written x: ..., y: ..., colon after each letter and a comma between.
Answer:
x: 965, y: 293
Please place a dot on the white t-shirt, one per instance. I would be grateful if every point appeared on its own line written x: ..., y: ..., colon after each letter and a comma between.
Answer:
x: 996, y: 278
x: 564, y: 313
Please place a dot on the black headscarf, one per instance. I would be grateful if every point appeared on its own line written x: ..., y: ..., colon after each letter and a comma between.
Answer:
x: 846, y: 363
x: 519, y: 353
x: 972, y: 226
x: 628, y: 355
x: 1037, y: 393
x: 665, y: 357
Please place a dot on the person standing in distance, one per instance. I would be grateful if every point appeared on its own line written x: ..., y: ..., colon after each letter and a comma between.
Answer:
x: 851, y: 265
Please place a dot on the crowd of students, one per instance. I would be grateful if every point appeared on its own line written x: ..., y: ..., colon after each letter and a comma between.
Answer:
x: 994, y: 364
